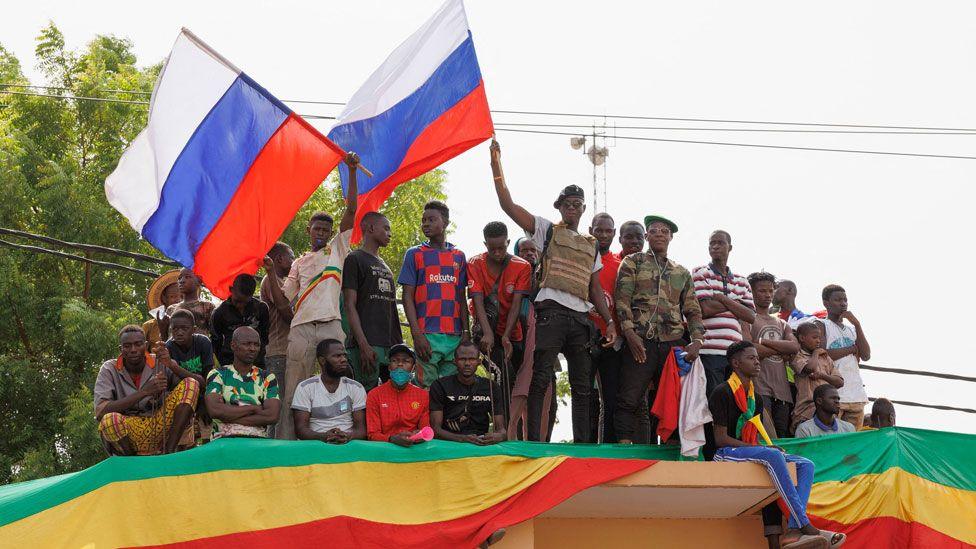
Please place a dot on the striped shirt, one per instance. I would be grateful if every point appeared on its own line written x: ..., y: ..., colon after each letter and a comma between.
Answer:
x: 724, y: 328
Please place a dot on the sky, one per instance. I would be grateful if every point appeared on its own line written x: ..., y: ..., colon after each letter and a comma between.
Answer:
x: 881, y: 226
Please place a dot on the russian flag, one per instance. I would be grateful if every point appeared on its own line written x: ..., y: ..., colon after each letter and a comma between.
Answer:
x: 423, y: 106
x: 220, y: 169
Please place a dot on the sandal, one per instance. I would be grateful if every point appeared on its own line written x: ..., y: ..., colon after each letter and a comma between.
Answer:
x: 832, y: 538
x: 806, y: 541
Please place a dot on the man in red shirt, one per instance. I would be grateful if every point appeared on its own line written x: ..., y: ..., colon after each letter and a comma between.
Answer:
x: 607, y: 364
x: 398, y: 409
x: 497, y: 282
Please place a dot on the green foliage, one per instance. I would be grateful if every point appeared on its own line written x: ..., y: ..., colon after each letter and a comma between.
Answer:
x: 60, y: 317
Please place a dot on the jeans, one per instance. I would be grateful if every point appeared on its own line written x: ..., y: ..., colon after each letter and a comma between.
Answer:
x: 561, y: 330
x: 603, y: 404
x: 631, y: 414
x: 716, y: 371
x: 775, y: 461
x: 780, y: 411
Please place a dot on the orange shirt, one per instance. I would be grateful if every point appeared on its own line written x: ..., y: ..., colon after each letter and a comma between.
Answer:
x: 389, y: 411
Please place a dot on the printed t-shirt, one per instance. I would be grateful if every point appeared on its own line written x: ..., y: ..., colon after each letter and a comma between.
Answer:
x: 314, y: 282
x: 840, y: 336
x: 772, y: 380
x: 439, y: 278
x: 197, y: 359
x: 329, y: 410
x: 255, y: 387
x: 372, y: 279
x: 468, y: 409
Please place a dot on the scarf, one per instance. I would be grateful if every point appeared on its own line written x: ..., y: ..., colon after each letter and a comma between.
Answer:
x: 749, y: 427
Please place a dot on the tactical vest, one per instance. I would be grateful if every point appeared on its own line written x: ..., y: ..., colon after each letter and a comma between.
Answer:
x: 568, y: 262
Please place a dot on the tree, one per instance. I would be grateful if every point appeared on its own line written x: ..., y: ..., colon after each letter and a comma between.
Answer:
x: 60, y: 318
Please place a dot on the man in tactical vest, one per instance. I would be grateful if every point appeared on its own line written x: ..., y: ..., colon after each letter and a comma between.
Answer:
x: 568, y: 284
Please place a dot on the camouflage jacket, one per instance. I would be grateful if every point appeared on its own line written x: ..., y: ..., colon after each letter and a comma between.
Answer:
x: 654, y: 310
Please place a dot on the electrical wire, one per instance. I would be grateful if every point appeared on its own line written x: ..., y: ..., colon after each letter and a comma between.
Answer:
x: 611, y: 116
x: 604, y: 127
x: 932, y: 406
x: 754, y: 145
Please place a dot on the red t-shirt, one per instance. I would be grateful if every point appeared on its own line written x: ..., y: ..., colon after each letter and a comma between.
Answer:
x: 608, y: 281
x: 515, y: 279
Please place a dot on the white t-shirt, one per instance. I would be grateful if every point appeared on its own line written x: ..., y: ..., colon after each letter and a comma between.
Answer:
x: 565, y: 299
x: 314, y: 284
x: 838, y: 337
x: 329, y: 410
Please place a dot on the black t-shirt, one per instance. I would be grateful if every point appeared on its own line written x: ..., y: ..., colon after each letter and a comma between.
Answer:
x: 725, y: 412
x: 226, y: 318
x: 198, y: 359
x: 375, y: 298
x: 467, y: 408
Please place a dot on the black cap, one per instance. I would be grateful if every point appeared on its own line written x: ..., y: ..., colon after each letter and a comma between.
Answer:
x: 570, y: 190
x: 402, y: 348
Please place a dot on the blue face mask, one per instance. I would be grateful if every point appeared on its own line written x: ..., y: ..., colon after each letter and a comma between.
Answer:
x: 400, y: 377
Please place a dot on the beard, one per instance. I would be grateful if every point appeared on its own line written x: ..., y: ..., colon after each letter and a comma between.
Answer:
x: 336, y: 372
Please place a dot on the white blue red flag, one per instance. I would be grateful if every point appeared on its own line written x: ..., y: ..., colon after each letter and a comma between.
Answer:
x: 220, y: 169
x: 423, y: 106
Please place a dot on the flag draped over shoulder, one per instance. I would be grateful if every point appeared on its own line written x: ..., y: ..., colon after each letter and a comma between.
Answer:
x: 423, y: 106
x: 220, y: 169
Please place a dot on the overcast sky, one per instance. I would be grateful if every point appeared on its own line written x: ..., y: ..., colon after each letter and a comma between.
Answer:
x: 884, y: 227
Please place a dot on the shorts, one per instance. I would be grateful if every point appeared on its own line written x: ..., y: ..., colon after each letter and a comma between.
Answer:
x: 441, y: 363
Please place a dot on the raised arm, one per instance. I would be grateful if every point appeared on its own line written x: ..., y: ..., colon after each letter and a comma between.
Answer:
x: 517, y: 213
x: 275, y: 297
x: 352, y: 193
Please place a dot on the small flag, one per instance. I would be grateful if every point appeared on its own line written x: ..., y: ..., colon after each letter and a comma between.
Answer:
x: 423, y: 106
x: 220, y: 169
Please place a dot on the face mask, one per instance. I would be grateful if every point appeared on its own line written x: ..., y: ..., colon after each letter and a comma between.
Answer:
x: 400, y: 377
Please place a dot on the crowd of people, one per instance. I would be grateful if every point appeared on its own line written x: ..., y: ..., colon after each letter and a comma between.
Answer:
x: 320, y: 354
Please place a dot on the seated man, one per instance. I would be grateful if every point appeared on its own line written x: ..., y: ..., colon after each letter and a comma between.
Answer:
x: 397, y: 410
x: 882, y: 415
x: 737, y: 434
x: 241, y: 398
x: 465, y: 407
x: 330, y: 407
x: 824, y: 421
x: 135, y: 414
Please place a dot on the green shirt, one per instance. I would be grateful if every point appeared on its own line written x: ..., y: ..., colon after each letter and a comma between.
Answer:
x: 254, y: 388
x: 657, y: 304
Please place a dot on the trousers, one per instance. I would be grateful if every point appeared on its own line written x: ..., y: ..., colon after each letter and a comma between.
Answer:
x: 775, y: 461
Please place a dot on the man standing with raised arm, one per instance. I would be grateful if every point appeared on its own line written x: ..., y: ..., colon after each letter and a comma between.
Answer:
x: 314, y: 285
x: 569, y: 286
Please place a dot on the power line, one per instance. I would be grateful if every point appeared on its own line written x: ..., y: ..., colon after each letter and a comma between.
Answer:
x: 932, y: 406
x: 608, y: 116
x: 105, y: 264
x: 940, y: 375
x: 680, y: 128
x: 625, y: 137
x: 88, y: 247
x: 754, y: 145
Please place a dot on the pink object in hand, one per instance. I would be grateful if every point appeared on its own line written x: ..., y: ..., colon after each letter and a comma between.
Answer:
x: 426, y: 433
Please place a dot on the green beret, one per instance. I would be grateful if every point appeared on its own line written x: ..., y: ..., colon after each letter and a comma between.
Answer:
x: 654, y: 218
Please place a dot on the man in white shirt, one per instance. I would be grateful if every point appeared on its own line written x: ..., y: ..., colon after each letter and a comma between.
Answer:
x: 847, y: 346
x: 313, y: 287
x: 330, y: 407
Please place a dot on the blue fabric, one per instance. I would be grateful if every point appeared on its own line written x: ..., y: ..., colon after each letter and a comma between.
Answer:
x: 382, y: 141
x: 823, y: 427
x: 683, y: 365
x: 775, y: 461
x: 210, y: 168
